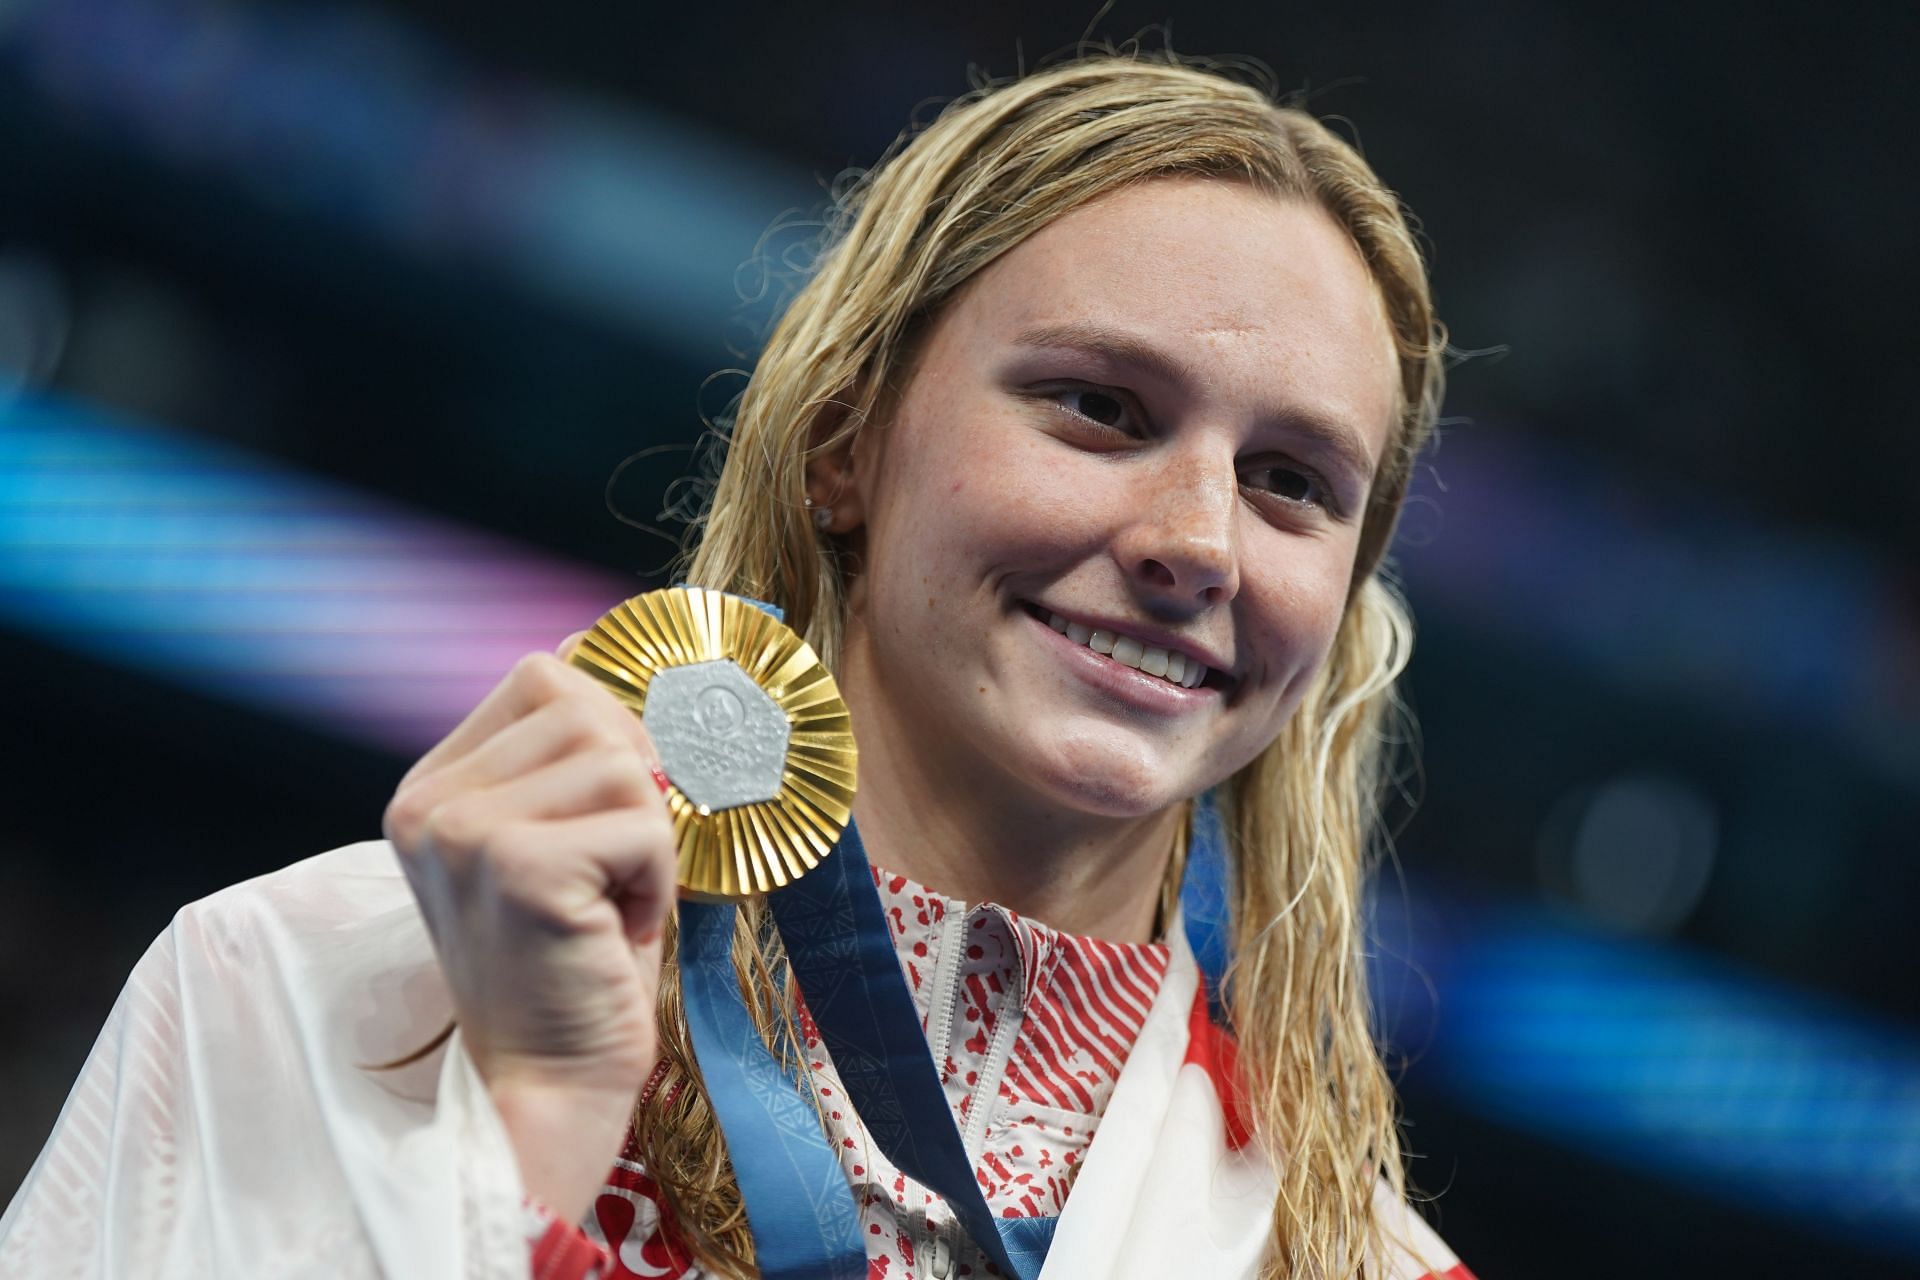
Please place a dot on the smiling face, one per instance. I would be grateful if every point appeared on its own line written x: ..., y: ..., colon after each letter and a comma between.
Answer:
x: 1144, y: 438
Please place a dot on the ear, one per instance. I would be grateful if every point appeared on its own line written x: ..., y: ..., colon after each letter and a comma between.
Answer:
x: 834, y: 495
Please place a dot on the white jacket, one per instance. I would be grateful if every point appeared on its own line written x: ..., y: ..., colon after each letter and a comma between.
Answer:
x: 225, y: 1123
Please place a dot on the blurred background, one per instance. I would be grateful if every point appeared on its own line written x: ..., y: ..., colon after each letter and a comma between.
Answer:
x: 326, y: 327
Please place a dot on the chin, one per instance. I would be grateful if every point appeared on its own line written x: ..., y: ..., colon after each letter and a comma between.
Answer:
x: 1105, y: 774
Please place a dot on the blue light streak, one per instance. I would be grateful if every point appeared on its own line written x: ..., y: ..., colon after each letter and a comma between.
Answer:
x: 1669, y: 1062
x: 215, y: 569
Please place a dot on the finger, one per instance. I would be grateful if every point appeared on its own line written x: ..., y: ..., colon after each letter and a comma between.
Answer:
x: 627, y: 857
x: 591, y: 721
x: 594, y: 781
x: 567, y: 646
x: 536, y: 680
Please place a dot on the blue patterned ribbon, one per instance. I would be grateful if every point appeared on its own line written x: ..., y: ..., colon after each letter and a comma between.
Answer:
x: 799, y: 1205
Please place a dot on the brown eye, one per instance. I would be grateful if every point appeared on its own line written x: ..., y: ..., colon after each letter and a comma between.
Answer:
x: 1097, y: 405
x: 1289, y: 483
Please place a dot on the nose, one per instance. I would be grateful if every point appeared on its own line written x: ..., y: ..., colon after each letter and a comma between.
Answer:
x: 1178, y: 545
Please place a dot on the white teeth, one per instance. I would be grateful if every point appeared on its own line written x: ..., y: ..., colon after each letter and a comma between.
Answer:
x: 1175, y: 668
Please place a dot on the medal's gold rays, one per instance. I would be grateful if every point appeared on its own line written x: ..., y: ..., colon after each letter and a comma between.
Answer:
x: 747, y: 849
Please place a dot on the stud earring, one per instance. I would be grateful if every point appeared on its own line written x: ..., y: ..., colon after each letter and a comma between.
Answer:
x: 822, y: 516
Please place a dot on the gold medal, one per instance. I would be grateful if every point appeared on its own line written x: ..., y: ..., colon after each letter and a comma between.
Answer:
x: 751, y: 731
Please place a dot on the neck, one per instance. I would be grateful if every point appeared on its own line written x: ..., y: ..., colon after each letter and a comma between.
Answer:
x: 982, y: 838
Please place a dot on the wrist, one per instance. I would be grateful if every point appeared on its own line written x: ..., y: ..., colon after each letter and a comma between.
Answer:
x: 565, y: 1137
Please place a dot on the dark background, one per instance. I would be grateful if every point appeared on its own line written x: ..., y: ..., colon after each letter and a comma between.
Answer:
x: 468, y: 258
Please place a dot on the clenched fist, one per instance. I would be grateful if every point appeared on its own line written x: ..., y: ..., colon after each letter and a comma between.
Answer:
x: 539, y: 846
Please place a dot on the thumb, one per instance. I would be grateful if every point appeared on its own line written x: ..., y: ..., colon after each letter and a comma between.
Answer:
x: 645, y: 901
x: 565, y: 650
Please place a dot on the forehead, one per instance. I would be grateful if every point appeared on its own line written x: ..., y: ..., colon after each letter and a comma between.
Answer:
x: 1257, y: 295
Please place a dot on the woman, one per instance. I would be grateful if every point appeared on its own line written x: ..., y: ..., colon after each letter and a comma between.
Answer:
x: 1075, y: 460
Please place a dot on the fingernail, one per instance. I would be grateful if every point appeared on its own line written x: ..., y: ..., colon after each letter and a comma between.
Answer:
x: 660, y: 779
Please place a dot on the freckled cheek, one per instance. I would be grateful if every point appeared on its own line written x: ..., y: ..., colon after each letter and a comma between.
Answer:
x: 1002, y: 493
x: 948, y: 521
x: 974, y: 491
x: 1298, y: 625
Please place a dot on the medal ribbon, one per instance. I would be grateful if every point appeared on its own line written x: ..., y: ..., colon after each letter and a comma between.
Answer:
x: 841, y: 950
x: 799, y: 1205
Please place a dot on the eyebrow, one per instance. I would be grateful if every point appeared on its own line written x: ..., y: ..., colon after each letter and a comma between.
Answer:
x: 1095, y: 339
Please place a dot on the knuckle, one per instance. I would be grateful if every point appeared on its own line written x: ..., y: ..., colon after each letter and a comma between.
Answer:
x: 644, y: 834
x: 455, y: 827
x: 587, y: 730
x: 617, y: 776
x: 654, y: 821
x: 527, y: 665
x: 405, y: 815
x: 541, y: 672
x: 660, y: 833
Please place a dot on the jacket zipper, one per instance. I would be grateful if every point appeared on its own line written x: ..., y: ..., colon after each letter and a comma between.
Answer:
x: 946, y: 985
x: 986, y: 1090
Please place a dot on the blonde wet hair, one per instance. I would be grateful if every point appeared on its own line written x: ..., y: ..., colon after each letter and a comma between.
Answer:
x: 995, y: 167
